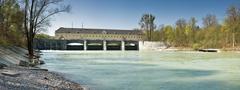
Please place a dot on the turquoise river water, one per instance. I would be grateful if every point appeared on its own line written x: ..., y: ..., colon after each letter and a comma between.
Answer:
x: 133, y: 70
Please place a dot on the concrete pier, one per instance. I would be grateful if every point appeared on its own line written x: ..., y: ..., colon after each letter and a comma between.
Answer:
x: 122, y: 45
x: 104, y: 45
x: 85, y: 45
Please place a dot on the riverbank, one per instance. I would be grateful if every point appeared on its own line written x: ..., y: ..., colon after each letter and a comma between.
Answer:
x: 12, y: 55
x: 191, y: 49
x: 29, y: 78
x: 15, y: 77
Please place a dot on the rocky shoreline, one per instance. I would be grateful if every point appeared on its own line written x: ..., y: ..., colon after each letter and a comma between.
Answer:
x: 29, y: 78
x: 13, y: 76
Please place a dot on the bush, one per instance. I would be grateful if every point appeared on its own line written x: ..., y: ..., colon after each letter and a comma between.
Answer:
x: 196, y: 46
x: 3, y: 42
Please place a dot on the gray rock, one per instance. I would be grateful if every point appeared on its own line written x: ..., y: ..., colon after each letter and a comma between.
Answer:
x: 24, y: 63
x: 37, y: 56
x: 2, y: 65
x: 10, y: 73
x: 41, y: 62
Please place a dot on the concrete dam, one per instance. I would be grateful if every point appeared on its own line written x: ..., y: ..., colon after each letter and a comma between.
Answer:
x: 91, y: 39
x: 52, y: 44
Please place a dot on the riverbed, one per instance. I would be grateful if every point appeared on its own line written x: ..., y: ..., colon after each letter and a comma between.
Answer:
x: 147, y: 70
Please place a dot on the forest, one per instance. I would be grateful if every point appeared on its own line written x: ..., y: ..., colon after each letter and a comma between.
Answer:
x: 186, y: 33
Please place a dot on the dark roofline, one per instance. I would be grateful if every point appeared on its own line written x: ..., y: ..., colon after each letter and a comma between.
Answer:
x: 94, y: 31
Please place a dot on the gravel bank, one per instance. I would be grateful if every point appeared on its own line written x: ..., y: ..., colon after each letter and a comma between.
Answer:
x: 33, y: 79
x: 14, y: 77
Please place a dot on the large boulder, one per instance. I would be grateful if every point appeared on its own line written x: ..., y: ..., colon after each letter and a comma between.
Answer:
x: 2, y: 65
x: 24, y: 63
x: 41, y: 62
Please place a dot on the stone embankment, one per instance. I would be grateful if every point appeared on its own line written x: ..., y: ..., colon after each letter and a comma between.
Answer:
x: 12, y: 55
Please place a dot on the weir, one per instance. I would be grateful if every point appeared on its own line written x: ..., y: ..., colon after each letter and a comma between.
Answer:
x: 131, y: 45
x: 114, y: 45
x: 52, y: 44
x: 74, y: 45
x: 95, y: 45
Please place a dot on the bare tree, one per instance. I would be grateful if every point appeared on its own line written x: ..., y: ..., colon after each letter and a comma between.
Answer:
x: 180, y: 32
x: 233, y: 22
x: 37, y: 15
x: 211, y: 27
x: 210, y: 21
x: 193, y: 28
x: 147, y: 24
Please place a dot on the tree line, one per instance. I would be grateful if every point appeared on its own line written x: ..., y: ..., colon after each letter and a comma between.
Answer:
x: 11, y: 20
x: 186, y: 33
x: 22, y: 20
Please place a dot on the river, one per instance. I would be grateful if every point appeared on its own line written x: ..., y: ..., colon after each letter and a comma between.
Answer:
x: 149, y: 70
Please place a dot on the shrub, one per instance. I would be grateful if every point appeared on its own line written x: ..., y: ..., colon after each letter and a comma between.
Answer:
x: 196, y: 46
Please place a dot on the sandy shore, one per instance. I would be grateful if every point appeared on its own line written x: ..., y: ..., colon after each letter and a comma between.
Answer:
x: 26, y: 78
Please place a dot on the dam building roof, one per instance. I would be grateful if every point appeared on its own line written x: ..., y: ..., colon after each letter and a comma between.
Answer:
x: 97, y: 34
x: 97, y: 31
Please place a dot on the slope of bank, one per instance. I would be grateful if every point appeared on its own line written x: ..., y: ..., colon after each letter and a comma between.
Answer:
x: 12, y: 55
x: 15, y: 77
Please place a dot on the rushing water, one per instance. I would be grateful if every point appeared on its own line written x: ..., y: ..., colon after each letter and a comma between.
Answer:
x: 132, y: 70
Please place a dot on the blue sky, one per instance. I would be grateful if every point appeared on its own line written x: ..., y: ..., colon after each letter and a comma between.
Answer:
x: 126, y: 14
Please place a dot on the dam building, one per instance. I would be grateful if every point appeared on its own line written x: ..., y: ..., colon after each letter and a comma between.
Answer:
x: 91, y: 39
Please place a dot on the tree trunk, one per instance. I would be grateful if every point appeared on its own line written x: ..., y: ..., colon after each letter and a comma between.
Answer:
x: 30, y: 49
x: 30, y: 45
x: 233, y: 40
x: 30, y: 37
x: 150, y: 34
x: 147, y: 29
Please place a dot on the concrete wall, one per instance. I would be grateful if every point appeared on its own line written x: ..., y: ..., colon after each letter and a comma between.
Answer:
x: 151, y: 45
